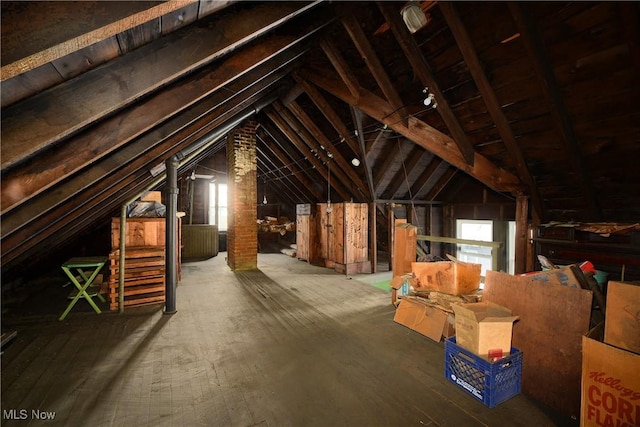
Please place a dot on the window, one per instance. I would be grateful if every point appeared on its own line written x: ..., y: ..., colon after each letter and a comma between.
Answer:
x: 470, y: 229
x: 218, y: 205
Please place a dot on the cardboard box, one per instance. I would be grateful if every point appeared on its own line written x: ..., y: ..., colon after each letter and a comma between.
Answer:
x: 484, y: 327
x: 562, y: 276
x: 449, y: 329
x: 610, y: 383
x: 422, y: 317
x: 622, y: 324
x: 454, y: 278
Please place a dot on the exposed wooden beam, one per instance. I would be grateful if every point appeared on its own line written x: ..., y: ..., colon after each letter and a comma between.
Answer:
x: 422, y: 70
x: 41, y: 32
x: 300, y: 144
x: 419, y: 132
x: 465, y: 44
x: 389, y: 159
x: 379, y: 138
x: 357, y: 119
x: 315, y: 131
x: 419, y: 184
x: 286, y: 189
x: 408, y: 165
x: 341, y: 66
x: 255, y: 67
x: 339, y: 165
x: 27, y: 127
x: 549, y: 86
x: 441, y: 184
x: 331, y: 115
x: 359, y: 38
x: 291, y: 165
x: 307, y: 170
x: 112, y: 177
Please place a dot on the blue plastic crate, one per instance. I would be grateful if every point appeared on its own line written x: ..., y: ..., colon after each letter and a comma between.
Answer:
x: 491, y: 383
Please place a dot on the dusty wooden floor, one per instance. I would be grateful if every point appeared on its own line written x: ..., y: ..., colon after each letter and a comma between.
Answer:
x: 287, y: 345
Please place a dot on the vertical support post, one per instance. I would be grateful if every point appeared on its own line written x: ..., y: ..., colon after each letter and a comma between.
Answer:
x: 121, y: 262
x: 373, y: 237
x: 170, y: 239
x: 392, y: 230
x: 522, y: 214
x: 345, y: 236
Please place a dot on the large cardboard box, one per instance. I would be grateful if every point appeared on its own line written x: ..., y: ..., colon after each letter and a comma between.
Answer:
x: 422, y: 317
x: 454, y: 278
x: 610, y: 383
x: 622, y: 324
x: 484, y: 328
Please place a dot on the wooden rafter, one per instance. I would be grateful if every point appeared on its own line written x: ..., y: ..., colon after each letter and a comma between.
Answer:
x: 113, y: 175
x: 341, y: 66
x: 301, y: 166
x: 357, y: 119
x: 441, y: 184
x: 285, y: 189
x: 311, y: 139
x: 551, y: 91
x: 465, y: 44
x: 402, y: 176
x: 291, y: 165
x: 324, y: 141
x: 237, y: 76
x: 300, y: 144
x: 381, y: 171
x: 419, y: 132
x: 31, y: 46
x: 332, y: 116
x: 378, y: 139
x: 424, y: 177
x: 271, y: 173
x: 28, y: 128
x: 423, y: 72
x: 359, y: 38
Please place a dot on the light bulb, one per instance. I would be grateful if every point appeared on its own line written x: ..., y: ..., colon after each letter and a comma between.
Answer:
x: 264, y: 200
x: 355, y: 162
x: 429, y: 99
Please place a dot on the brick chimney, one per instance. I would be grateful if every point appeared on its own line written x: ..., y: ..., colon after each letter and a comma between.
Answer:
x: 242, y: 233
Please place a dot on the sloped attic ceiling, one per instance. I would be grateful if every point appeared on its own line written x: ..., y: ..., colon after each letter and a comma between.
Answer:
x: 532, y: 98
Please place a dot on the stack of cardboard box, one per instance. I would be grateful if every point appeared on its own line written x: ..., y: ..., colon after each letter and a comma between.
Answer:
x: 428, y: 293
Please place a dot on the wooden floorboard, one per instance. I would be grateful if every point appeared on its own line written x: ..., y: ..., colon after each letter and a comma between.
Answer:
x: 289, y: 344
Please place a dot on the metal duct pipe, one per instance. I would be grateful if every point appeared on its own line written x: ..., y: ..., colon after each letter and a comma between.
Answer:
x: 170, y: 240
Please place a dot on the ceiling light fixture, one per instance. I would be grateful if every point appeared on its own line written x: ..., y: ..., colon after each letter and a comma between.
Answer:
x: 430, y: 99
x: 413, y: 16
x: 264, y: 198
x: 355, y: 162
